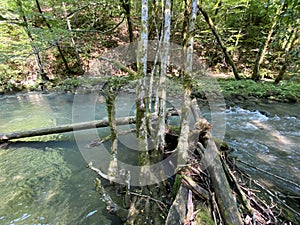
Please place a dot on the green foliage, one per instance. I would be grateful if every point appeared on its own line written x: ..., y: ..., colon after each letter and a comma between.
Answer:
x: 203, y: 216
x: 243, y: 26
x: 286, y: 91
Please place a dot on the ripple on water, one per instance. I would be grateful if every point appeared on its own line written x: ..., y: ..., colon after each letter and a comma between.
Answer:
x: 28, y: 173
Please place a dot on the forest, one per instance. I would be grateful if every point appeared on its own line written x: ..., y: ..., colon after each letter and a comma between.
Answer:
x: 220, y: 53
x: 55, y: 40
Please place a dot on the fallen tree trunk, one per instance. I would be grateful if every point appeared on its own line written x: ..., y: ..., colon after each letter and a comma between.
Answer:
x: 65, y: 128
x: 225, y: 198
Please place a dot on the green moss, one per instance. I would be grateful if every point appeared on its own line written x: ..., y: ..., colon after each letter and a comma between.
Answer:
x: 176, y: 185
x: 230, y: 88
x: 203, y: 217
x: 222, y: 145
x: 175, y: 130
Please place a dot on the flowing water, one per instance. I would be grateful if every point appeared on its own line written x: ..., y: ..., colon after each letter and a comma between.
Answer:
x: 268, y: 140
x: 44, y: 180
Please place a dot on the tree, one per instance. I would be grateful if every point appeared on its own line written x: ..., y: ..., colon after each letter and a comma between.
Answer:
x: 141, y: 90
x: 220, y: 42
x: 162, y: 96
x: 56, y: 42
x: 127, y: 9
x: 292, y: 41
x: 73, y: 44
x: 31, y: 40
x: 263, y: 49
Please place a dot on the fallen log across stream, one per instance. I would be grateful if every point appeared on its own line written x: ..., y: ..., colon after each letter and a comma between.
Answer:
x: 65, y: 128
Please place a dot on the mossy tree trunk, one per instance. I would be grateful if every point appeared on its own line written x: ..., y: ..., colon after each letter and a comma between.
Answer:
x: 110, y: 98
x: 182, y: 147
x: 141, y: 89
x: 185, y: 25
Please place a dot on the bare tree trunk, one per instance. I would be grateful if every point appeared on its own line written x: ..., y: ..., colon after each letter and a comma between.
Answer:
x: 127, y: 9
x: 56, y: 42
x: 110, y: 98
x: 219, y: 40
x: 141, y: 124
x: 263, y: 49
x: 64, y: 128
x: 160, y: 138
x: 224, y: 196
x: 31, y: 40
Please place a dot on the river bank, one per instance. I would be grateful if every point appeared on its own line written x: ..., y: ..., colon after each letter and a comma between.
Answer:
x: 233, y: 91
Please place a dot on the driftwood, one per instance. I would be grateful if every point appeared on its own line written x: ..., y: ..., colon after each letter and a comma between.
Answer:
x: 225, y: 205
x: 224, y: 196
x: 178, y: 210
x: 203, y: 196
x: 195, y: 188
x: 240, y: 192
x: 64, y: 128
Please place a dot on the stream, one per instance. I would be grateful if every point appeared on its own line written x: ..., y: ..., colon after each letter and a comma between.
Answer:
x: 44, y: 180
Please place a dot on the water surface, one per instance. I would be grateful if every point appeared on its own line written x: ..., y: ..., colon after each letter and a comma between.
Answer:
x: 44, y: 180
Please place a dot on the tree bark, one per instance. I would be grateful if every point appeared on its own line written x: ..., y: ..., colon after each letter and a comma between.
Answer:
x: 110, y: 98
x: 160, y: 137
x: 141, y: 98
x: 183, y: 145
x: 127, y: 9
x: 225, y: 198
x: 185, y: 25
x: 65, y: 128
x: 212, y: 161
x: 220, y: 42
x: 142, y: 69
